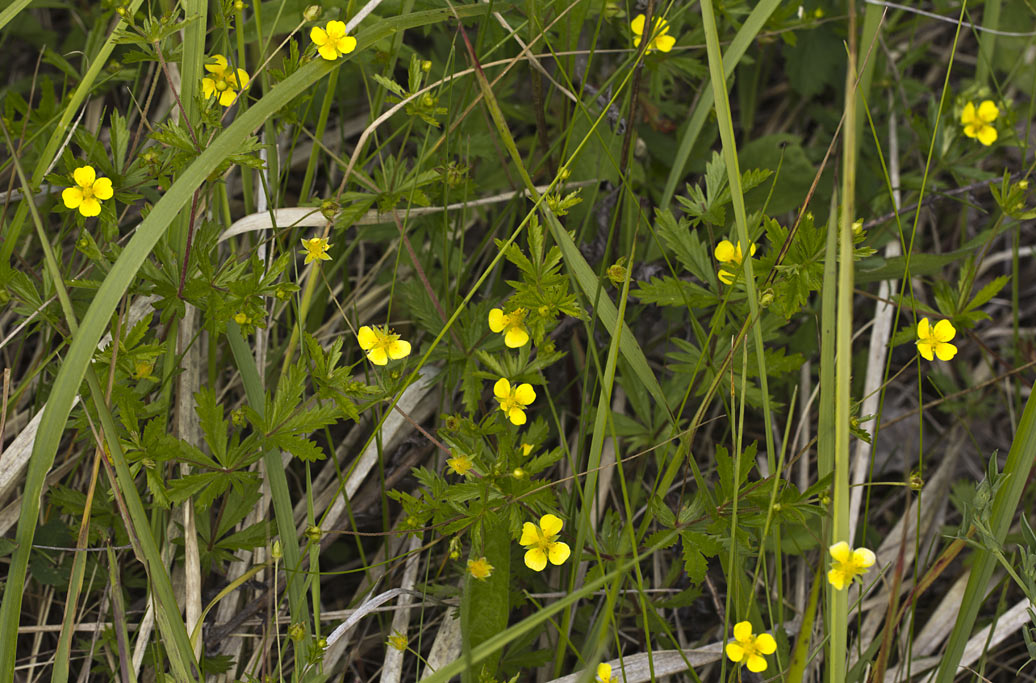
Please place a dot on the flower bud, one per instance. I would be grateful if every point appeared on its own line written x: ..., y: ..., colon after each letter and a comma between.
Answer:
x: 312, y: 13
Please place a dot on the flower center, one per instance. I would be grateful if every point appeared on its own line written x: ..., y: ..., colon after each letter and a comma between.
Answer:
x: 87, y: 190
x: 543, y: 541
x: 509, y: 403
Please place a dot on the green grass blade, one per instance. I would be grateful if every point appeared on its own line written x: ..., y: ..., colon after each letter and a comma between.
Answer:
x: 1020, y: 461
x: 742, y: 40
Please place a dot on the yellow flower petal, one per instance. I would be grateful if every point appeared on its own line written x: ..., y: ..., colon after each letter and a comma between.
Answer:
x: 243, y: 79
x: 90, y: 207
x: 346, y: 44
x: 766, y: 644
x: 987, y: 112
x: 665, y: 43
x: 551, y: 524
x: 84, y: 176
x: 72, y: 197
x: 208, y: 87
x: 525, y: 394
x: 743, y: 631
x: 756, y: 663
x: 103, y: 188
x: 944, y: 331
x: 530, y: 534
x: 516, y: 337
x: 725, y: 252
x: 219, y: 66
x: 328, y: 52
x: 922, y: 329
x: 399, y: 349
x: 559, y: 552
x: 945, y: 351
x: 378, y: 356
x: 366, y: 337
x: 968, y: 115
x: 925, y: 348
x: 318, y: 36
x: 637, y: 26
x: 335, y: 29
x: 864, y: 558
x: 604, y: 672
x: 497, y: 320
x: 517, y: 416
x: 536, y: 559
x: 836, y: 579
x: 735, y: 652
x: 502, y: 388
x: 987, y: 135
x: 227, y: 97
x: 840, y: 552
x: 726, y: 277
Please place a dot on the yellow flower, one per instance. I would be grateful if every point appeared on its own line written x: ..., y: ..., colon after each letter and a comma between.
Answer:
x: 398, y: 641
x: 934, y: 341
x: 511, y: 324
x: 223, y: 82
x: 460, y: 464
x: 847, y: 564
x: 331, y: 40
x: 88, y: 193
x: 541, y: 543
x: 480, y: 569
x: 315, y: 249
x: 728, y: 253
x: 513, y: 399
x: 660, y: 40
x: 381, y: 344
x: 241, y: 318
x: 604, y: 673
x: 142, y: 369
x: 527, y: 448
x: 750, y: 648
x: 978, y: 123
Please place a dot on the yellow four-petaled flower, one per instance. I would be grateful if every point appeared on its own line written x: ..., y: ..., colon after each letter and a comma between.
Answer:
x: 660, y: 38
x: 978, y: 122
x: 331, y: 40
x: 728, y: 253
x: 847, y: 564
x: 460, y: 464
x: 381, y: 344
x: 480, y: 569
x: 88, y: 193
x: 513, y: 399
x: 223, y: 83
x: 512, y: 325
x: 933, y: 341
x: 750, y: 648
x: 316, y: 249
x: 541, y: 543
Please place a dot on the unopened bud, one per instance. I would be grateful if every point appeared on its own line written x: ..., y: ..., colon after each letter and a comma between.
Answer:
x: 312, y: 13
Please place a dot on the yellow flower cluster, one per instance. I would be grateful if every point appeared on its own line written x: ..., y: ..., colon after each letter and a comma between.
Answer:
x: 511, y: 325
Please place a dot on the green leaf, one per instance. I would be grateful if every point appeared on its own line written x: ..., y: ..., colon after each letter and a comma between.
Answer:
x: 669, y: 291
